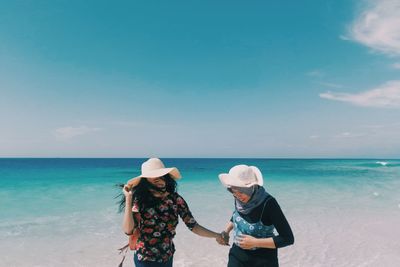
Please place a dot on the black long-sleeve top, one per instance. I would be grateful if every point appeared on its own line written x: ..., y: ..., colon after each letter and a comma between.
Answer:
x: 272, y: 215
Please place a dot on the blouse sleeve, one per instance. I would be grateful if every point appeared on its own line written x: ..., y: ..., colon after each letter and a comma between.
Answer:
x: 285, y: 235
x: 184, y: 213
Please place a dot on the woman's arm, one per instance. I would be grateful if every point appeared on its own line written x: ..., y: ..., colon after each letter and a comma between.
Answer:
x: 225, y: 234
x: 128, y: 223
x: 188, y: 219
x: 248, y: 242
x: 204, y: 232
x: 228, y: 227
x: 285, y: 235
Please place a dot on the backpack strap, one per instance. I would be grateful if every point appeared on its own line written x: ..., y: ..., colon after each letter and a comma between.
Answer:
x: 123, y: 251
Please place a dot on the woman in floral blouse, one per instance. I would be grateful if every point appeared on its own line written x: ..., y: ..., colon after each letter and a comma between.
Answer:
x: 153, y: 197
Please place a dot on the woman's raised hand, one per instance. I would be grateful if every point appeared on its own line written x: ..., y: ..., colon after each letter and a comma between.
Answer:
x: 127, y: 192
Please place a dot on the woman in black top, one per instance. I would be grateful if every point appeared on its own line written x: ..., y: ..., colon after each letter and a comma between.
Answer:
x: 256, y: 217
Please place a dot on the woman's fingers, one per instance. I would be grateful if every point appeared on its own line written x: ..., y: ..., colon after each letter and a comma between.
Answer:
x: 126, y: 190
x: 244, y: 241
x: 225, y: 238
x: 221, y: 240
x: 240, y: 238
x: 243, y: 237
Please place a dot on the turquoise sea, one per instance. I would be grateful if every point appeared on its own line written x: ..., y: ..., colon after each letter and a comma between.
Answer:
x: 62, y: 212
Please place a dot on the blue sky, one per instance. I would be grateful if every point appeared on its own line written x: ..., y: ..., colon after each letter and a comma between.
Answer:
x: 200, y: 79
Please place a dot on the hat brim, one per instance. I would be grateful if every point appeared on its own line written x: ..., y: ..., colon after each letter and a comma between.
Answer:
x: 229, y: 181
x: 173, y: 172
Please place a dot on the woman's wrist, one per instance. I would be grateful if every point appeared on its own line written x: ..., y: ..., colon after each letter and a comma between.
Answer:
x: 128, y: 201
x: 212, y: 234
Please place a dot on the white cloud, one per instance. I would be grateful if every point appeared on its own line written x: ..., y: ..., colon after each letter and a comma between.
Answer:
x: 344, y: 37
x: 372, y: 126
x: 396, y: 65
x: 378, y: 26
x: 349, y: 135
x: 385, y: 96
x: 315, y: 73
x: 143, y: 124
x: 67, y: 133
x: 332, y: 85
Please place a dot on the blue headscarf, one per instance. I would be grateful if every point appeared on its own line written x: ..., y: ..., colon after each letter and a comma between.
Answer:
x: 258, y: 196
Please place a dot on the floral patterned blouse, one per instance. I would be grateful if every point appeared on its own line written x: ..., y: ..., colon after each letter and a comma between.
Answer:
x: 157, y: 227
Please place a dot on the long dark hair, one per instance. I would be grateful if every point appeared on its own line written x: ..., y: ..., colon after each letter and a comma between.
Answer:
x: 142, y: 194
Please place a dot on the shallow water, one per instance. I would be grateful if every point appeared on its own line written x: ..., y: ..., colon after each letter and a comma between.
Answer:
x: 62, y: 212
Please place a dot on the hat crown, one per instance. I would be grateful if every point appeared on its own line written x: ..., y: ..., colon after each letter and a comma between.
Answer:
x: 243, y: 173
x: 152, y: 164
x: 242, y: 176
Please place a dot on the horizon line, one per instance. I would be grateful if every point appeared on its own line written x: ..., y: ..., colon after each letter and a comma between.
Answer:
x: 270, y: 158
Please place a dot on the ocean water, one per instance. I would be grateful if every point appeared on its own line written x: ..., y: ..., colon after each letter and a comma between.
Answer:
x: 62, y: 212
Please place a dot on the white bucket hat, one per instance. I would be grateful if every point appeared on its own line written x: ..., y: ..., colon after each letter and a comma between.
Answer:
x: 242, y: 176
x: 153, y: 168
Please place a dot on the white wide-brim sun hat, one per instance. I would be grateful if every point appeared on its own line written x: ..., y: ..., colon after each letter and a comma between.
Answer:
x: 242, y: 176
x: 153, y: 168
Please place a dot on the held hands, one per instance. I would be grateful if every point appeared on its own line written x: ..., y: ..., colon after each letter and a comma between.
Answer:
x: 223, y: 239
x: 247, y: 241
